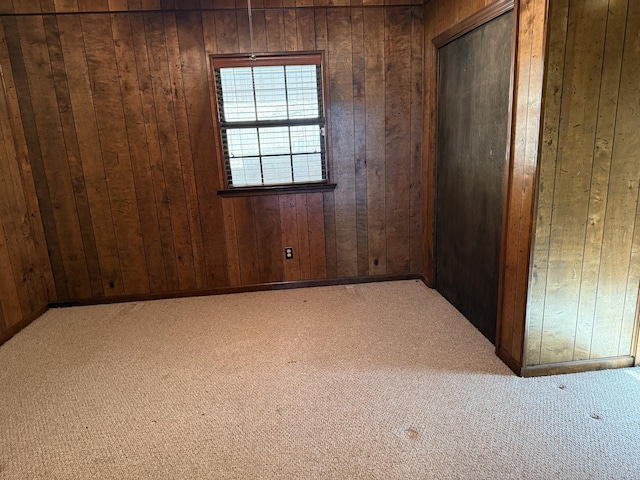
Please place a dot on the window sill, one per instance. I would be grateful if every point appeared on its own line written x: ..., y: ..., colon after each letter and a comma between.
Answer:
x: 277, y: 190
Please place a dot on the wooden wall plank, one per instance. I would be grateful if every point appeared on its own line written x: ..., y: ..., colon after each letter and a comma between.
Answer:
x: 12, y: 224
x: 84, y: 115
x: 269, y: 238
x: 56, y: 169
x: 27, y: 125
x: 157, y: 39
x: 115, y: 150
x: 360, y: 139
x: 375, y: 127
x: 304, y: 246
x: 559, y: 18
x: 274, y: 25
x: 201, y: 131
x: 10, y: 298
x: 184, y: 144
x: 73, y: 154
x: 247, y: 241
x: 317, y: 234
x: 415, y: 178
x: 397, y: 131
x: 321, y: 43
x: 166, y: 278
x: 15, y: 130
x: 66, y: 5
x: 136, y: 136
x: 291, y: 30
x: 342, y: 132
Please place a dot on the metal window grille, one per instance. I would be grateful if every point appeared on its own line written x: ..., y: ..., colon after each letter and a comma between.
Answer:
x: 272, y: 124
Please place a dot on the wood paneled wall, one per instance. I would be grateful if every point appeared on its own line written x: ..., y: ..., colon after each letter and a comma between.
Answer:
x: 26, y: 282
x: 531, y: 15
x: 117, y: 117
x: 586, y: 262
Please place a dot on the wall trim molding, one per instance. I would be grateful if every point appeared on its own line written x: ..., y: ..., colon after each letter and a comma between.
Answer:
x: 6, y: 335
x: 474, y: 21
x: 578, y: 366
x: 259, y: 287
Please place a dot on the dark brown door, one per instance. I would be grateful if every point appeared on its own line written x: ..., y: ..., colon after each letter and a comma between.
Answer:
x: 473, y: 121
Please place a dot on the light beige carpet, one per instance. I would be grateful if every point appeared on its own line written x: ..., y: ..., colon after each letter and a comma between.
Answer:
x: 377, y: 381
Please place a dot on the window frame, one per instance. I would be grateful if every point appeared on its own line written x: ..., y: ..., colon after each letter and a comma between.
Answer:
x: 315, y: 57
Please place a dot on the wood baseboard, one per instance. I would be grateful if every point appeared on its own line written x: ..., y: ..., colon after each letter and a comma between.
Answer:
x: 6, y: 335
x: 511, y: 362
x: 241, y: 289
x: 578, y: 366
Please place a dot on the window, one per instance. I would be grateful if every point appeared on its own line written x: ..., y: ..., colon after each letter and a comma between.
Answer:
x: 271, y: 119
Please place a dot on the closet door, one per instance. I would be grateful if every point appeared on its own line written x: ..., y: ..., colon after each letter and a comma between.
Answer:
x: 474, y: 73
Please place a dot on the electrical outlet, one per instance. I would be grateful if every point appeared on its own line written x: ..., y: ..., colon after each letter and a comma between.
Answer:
x: 288, y: 253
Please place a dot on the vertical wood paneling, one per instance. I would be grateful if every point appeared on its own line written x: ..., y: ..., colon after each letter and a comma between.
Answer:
x: 136, y: 136
x: 124, y: 112
x: 195, y: 77
x: 167, y: 277
x: 397, y: 129
x: 375, y: 149
x: 360, y: 140
x: 416, y: 219
x: 73, y: 154
x: 558, y: 18
x: 26, y: 279
x: 342, y: 132
x: 157, y: 39
x: 586, y: 309
x: 107, y: 98
x: 49, y: 136
x: 84, y: 115
x: 184, y: 145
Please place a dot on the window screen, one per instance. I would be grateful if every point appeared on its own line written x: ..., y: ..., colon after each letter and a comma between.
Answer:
x: 272, y: 123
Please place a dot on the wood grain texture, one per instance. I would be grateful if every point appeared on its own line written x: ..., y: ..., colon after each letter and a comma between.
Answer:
x: 439, y: 16
x: 526, y: 126
x: 130, y: 142
x: 585, y: 276
x: 26, y: 278
x: 473, y: 124
x: 531, y: 18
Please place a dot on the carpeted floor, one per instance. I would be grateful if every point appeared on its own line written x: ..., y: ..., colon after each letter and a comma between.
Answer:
x: 376, y: 381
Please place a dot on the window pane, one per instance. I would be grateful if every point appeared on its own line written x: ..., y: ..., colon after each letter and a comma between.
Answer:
x: 302, y: 90
x: 307, y: 168
x: 243, y: 142
x: 277, y: 170
x: 271, y: 93
x: 274, y: 140
x: 237, y: 95
x: 245, y: 172
x: 305, y: 139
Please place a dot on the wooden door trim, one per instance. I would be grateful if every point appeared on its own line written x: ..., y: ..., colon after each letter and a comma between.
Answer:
x: 474, y: 21
x: 635, y: 345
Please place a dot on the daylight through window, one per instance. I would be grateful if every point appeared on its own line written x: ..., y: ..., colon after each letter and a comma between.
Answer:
x: 271, y: 120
